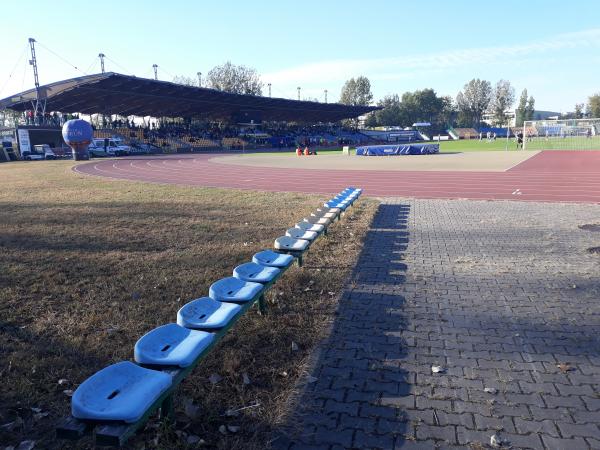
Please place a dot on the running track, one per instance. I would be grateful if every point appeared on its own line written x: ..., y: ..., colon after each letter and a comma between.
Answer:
x: 553, y: 176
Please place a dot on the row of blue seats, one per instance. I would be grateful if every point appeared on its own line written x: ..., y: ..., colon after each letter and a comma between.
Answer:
x: 298, y: 239
x: 125, y: 391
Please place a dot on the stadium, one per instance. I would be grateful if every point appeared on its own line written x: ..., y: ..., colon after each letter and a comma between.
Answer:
x: 189, y: 265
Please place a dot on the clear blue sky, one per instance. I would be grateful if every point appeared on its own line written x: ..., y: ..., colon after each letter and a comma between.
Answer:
x: 551, y: 48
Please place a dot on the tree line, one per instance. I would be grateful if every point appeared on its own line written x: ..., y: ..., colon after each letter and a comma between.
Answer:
x: 476, y: 98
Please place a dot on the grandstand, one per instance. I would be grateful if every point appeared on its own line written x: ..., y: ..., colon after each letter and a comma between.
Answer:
x: 116, y: 94
x: 113, y: 95
x: 466, y: 133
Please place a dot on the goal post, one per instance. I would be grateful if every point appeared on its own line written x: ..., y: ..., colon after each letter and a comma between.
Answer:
x: 569, y: 134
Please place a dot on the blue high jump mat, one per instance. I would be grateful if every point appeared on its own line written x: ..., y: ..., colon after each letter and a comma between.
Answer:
x: 397, y: 149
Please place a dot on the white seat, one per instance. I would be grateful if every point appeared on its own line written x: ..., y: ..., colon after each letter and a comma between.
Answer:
x: 297, y: 233
x: 272, y: 259
x: 257, y: 273
x: 322, y: 213
x: 318, y: 220
x: 171, y: 345
x: 310, y: 227
x: 331, y: 210
x: 290, y: 244
x: 206, y: 313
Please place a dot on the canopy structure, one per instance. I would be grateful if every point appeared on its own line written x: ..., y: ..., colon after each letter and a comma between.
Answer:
x: 113, y: 93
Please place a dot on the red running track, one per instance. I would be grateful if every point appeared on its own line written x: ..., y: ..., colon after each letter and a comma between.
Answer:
x: 552, y: 176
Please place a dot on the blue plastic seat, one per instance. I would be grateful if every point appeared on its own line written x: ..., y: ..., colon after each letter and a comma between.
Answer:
x: 272, y: 259
x: 233, y: 289
x: 171, y: 345
x: 298, y: 233
x: 342, y: 199
x: 287, y: 243
x: 123, y: 391
x: 206, y: 313
x: 334, y: 204
x: 255, y: 272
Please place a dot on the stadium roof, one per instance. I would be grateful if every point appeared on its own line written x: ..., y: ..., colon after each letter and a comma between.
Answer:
x: 113, y: 93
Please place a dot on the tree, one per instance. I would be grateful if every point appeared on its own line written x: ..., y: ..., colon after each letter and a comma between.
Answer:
x: 356, y: 92
x: 371, y: 120
x: 579, y: 110
x: 530, y: 108
x: 447, y: 115
x: 235, y: 79
x: 419, y: 106
x: 593, y: 106
x: 474, y: 99
x: 186, y: 81
x: 391, y: 114
x: 521, y: 111
x: 504, y: 97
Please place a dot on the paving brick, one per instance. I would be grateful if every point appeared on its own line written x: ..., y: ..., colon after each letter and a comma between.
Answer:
x: 553, y: 443
x: 533, y: 426
x: 325, y: 436
x: 494, y: 423
x: 443, y: 418
x: 404, y: 444
x: 593, y: 443
x: 445, y: 433
x: 368, y: 410
x: 365, y: 424
x: 483, y: 289
x: 571, y: 401
x: 554, y: 414
x: 525, y: 399
x: 373, y: 441
x: 569, y: 430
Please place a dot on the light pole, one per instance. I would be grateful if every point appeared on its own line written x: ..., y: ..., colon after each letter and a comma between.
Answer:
x: 199, y: 79
x: 299, y: 92
x: 269, y: 89
x: 325, y: 95
x: 155, y: 66
x: 101, y: 56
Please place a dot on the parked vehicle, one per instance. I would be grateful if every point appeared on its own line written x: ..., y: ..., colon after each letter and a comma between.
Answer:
x: 141, y: 148
x: 38, y: 152
x: 108, y: 147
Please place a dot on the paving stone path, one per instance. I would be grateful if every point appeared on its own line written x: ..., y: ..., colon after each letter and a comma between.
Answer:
x: 502, y: 295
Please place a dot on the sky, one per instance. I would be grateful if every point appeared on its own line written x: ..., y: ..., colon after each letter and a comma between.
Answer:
x: 551, y: 48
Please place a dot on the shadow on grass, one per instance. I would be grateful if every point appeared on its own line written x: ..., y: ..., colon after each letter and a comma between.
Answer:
x: 358, y: 387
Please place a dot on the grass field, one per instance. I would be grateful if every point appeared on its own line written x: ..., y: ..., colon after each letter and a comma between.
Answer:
x: 501, y: 144
x: 87, y: 266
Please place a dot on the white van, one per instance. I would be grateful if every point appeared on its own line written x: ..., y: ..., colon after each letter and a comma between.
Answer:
x: 38, y: 152
x: 108, y: 147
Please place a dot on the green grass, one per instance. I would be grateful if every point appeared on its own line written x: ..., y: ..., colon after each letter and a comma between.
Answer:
x: 500, y: 144
x: 475, y: 145
x: 87, y: 266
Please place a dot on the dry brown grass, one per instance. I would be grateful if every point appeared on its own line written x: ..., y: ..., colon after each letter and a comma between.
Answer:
x: 87, y: 266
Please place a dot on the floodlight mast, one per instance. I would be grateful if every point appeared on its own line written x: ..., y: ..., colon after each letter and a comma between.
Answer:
x: 38, y: 105
x: 101, y: 56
